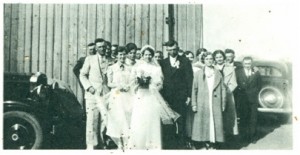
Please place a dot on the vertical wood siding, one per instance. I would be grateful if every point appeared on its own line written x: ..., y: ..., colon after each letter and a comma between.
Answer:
x: 51, y: 37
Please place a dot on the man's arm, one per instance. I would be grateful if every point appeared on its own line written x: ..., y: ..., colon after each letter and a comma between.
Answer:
x: 232, y: 82
x: 84, y: 72
x: 78, y: 66
x: 189, y: 78
x: 258, y: 82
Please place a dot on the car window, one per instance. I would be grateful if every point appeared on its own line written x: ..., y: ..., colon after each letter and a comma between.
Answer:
x: 269, y: 71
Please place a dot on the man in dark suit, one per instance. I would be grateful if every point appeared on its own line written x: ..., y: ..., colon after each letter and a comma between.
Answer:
x: 108, y: 53
x: 114, y: 49
x: 177, y: 87
x: 249, y: 85
x: 80, y: 61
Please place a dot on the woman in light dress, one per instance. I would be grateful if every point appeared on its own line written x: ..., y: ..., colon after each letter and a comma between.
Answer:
x: 149, y: 108
x: 119, y: 100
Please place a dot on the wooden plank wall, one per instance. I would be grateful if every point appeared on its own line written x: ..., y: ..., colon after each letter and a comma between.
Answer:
x: 51, y: 37
x: 188, y: 26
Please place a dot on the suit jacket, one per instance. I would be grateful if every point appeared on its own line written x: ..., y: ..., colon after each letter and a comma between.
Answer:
x: 177, y: 83
x: 90, y: 74
x: 78, y: 66
x: 229, y: 77
x: 248, y: 87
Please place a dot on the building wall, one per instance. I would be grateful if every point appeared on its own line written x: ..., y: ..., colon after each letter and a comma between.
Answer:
x: 50, y: 38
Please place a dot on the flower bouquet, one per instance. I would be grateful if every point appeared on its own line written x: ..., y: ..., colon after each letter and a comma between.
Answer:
x: 143, y: 80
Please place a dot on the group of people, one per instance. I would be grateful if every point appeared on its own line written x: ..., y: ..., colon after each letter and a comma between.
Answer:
x: 142, y: 101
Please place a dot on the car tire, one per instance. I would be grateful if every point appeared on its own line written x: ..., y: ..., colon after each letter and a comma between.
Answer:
x: 28, y: 123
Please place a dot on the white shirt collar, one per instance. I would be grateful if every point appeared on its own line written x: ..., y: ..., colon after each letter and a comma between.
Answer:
x: 99, y: 56
x: 173, y: 60
x: 220, y: 67
x: 130, y: 62
x: 248, y: 71
x: 119, y: 63
x: 230, y: 64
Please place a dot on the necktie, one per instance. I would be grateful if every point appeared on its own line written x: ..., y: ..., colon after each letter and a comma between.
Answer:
x: 248, y: 73
x: 122, y: 67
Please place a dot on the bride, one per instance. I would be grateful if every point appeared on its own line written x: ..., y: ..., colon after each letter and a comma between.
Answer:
x: 149, y: 108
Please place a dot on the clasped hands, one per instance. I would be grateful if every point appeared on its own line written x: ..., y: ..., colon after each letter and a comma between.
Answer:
x: 123, y: 88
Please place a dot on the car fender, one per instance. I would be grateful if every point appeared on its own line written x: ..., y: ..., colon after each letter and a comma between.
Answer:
x: 24, y: 105
x: 16, y: 105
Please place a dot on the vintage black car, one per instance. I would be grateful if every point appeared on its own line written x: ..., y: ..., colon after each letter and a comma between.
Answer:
x: 275, y: 95
x: 38, y: 115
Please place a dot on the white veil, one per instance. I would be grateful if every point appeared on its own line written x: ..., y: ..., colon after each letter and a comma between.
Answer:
x: 168, y: 116
x: 150, y: 47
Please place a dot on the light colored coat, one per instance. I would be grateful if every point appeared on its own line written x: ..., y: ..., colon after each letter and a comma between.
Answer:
x: 200, y: 99
x: 90, y: 74
x: 230, y: 77
x: 230, y: 116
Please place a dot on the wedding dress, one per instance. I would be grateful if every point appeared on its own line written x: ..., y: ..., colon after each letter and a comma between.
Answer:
x: 148, y: 109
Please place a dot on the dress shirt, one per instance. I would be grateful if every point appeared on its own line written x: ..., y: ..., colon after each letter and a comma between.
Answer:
x: 173, y: 61
x: 248, y: 72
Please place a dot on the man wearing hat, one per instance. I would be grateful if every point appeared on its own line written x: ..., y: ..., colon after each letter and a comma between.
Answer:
x: 177, y: 87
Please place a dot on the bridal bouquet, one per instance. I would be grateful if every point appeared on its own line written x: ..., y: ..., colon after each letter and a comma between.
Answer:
x: 143, y: 79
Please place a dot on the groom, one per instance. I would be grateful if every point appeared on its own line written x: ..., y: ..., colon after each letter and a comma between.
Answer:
x: 177, y: 87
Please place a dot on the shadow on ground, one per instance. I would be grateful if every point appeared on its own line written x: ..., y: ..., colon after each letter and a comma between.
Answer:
x: 266, y: 124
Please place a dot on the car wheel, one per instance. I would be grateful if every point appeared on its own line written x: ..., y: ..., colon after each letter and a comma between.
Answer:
x: 22, y: 131
x: 271, y: 97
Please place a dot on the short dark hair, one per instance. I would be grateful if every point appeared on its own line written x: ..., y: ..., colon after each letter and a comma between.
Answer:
x: 200, y: 50
x: 115, y: 45
x: 229, y: 51
x: 160, y: 52
x: 188, y: 52
x: 205, y: 55
x: 218, y: 52
x: 121, y: 49
x: 91, y: 44
x: 99, y: 40
x: 247, y: 58
x: 148, y: 49
x: 131, y: 46
x: 171, y: 43
x: 108, y: 44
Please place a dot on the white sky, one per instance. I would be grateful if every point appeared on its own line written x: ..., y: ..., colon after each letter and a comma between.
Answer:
x: 266, y: 31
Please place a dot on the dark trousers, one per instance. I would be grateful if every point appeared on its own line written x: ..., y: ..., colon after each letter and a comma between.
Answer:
x: 248, y: 120
x: 174, y: 136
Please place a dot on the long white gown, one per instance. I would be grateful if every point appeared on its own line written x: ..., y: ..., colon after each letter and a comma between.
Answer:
x: 119, y: 104
x: 148, y: 110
